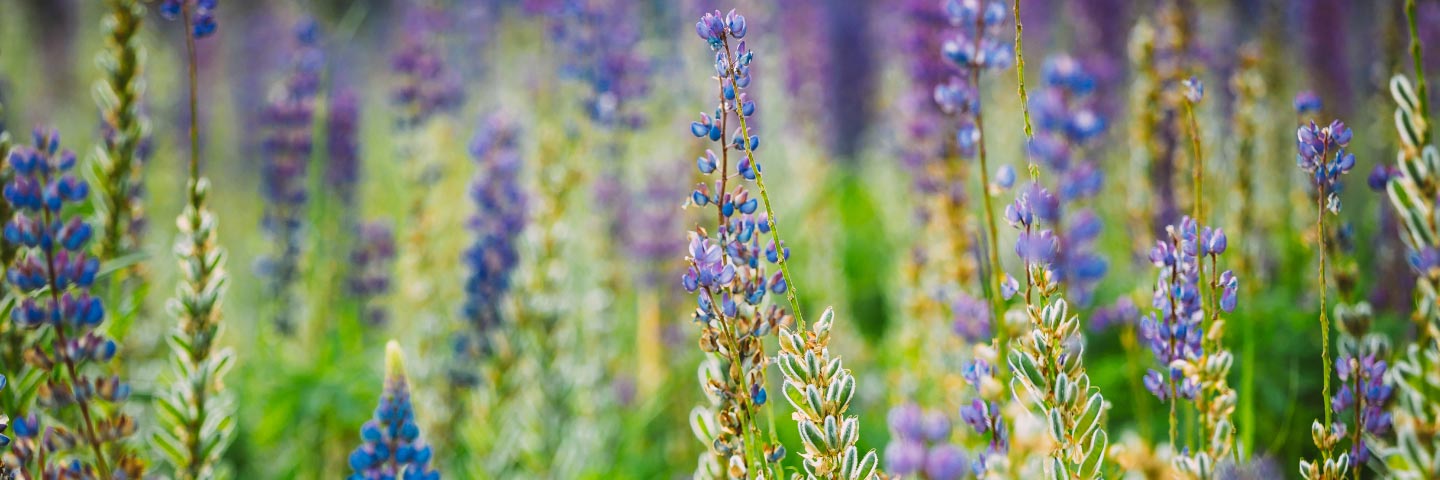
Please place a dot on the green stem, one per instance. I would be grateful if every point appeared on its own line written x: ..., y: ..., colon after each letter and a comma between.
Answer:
x: 1020, y: 76
x: 1198, y: 175
x: 992, y: 247
x: 790, y: 290
x: 1324, y: 319
x: 1417, y: 56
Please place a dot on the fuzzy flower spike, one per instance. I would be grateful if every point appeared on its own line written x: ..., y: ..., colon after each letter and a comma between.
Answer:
x: 392, y: 449
x: 54, y: 275
x: 727, y: 269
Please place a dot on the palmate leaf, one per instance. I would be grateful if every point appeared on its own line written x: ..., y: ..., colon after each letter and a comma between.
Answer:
x: 170, y: 445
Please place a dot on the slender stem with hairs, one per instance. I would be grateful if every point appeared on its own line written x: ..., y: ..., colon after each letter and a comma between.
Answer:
x: 790, y: 290
x: 992, y: 246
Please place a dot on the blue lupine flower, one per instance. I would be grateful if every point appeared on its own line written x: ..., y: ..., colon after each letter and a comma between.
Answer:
x: 501, y: 207
x: 427, y: 87
x: 1322, y: 154
x: 392, y: 447
x: 54, y: 274
x: 993, y: 50
x: 202, y: 20
x: 1068, y: 127
x: 288, y: 119
x: 1307, y: 102
x: 1365, y: 376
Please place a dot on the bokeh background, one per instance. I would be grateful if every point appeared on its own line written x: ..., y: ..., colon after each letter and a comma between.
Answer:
x: 593, y: 98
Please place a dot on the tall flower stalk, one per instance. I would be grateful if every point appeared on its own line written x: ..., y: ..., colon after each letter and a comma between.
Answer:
x: 288, y: 143
x: 726, y: 274
x: 121, y: 156
x: 1322, y: 154
x: 1414, y: 193
x: 1047, y: 362
x: 195, y: 412
x: 53, y: 275
x: 820, y: 388
x: 977, y: 47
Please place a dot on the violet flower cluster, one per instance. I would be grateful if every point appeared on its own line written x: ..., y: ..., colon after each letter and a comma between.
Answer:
x: 925, y: 28
x: 392, y: 448
x: 500, y: 214
x: 54, y: 275
x: 725, y: 269
x: 342, y: 166
x: 203, y: 19
x: 427, y: 87
x: 287, y: 146
x: 984, y: 416
x: 1322, y: 154
x: 920, y: 445
x: 1364, y: 391
x: 981, y: 43
x: 370, y: 264
x: 1068, y: 127
x: 600, y: 39
x: 1174, y: 331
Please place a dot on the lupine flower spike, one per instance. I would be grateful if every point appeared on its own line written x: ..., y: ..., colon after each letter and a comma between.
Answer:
x: 820, y: 388
x: 1322, y: 154
x: 289, y: 117
x: 726, y: 271
x: 125, y: 130
x: 196, y: 414
x: 392, y: 447
x: 500, y: 217
x: 54, y: 275
x: 1415, y: 192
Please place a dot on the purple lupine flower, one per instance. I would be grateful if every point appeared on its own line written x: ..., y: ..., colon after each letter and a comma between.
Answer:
x: 921, y: 443
x: 1122, y: 312
x: 342, y: 168
x: 982, y: 20
x: 203, y: 17
x: 370, y: 262
x: 4, y: 420
x: 427, y: 87
x: 500, y: 213
x: 1068, y: 133
x: 1365, y: 391
x: 53, y: 275
x: 984, y: 417
x: 971, y: 317
x: 1173, y: 331
x: 392, y: 447
x: 1322, y: 154
x: 925, y: 25
x: 287, y: 144
x: 1307, y: 102
x: 599, y: 40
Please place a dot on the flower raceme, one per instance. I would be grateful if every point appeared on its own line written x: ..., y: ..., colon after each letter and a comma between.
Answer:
x: 54, y: 275
x: 1322, y: 153
x: 392, y: 448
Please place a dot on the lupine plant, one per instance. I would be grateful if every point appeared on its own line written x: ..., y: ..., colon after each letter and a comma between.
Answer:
x: 921, y: 445
x: 392, y: 447
x: 288, y: 142
x: 976, y: 47
x: 500, y: 216
x: 1323, y: 156
x: 820, y: 389
x: 725, y: 271
x: 195, y: 411
x: 1069, y: 127
x: 370, y: 264
x: 54, y: 274
x: 122, y: 155
x: 1050, y: 377
x: 1415, y: 192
